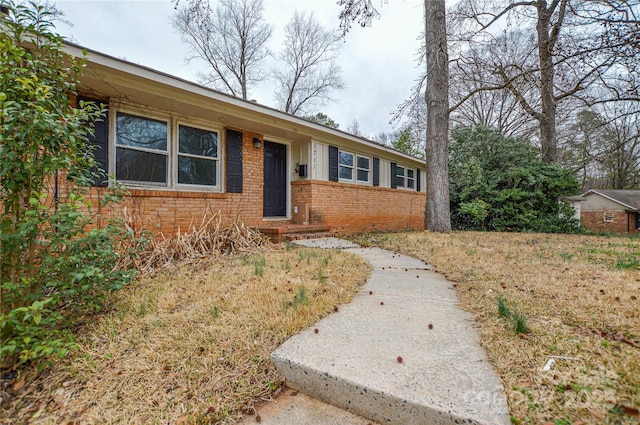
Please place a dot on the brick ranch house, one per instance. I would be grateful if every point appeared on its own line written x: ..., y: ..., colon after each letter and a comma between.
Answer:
x: 609, y: 210
x: 182, y: 149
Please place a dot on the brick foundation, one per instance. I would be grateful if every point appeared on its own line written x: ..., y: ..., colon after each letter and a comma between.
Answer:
x: 348, y: 208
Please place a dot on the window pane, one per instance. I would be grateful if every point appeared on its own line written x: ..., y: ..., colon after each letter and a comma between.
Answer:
x: 363, y: 162
x: 363, y: 175
x: 410, y: 183
x: 409, y: 174
x: 400, y: 171
x: 197, y: 171
x: 198, y: 142
x: 346, y: 173
x: 141, y: 132
x: 141, y: 166
x: 346, y: 159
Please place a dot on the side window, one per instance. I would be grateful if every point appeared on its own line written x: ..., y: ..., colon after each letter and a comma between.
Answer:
x: 411, y: 178
x: 141, y: 149
x: 608, y: 217
x: 345, y: 165
x: 400, y: 176
x: 364, y: 167
x: 197, y: 156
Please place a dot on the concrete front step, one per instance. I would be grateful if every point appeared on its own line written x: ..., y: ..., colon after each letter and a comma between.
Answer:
x: 378, y: 357
x: 301, y: 236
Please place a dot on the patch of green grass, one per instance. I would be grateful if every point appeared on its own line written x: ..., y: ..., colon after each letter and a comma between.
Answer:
x: 519, y: 323
x: 321, y: 277
x: 300, y: 298
x: 215, y: 312
x: 503, y: 309
x: 629, y: 262
x: 258, y: 266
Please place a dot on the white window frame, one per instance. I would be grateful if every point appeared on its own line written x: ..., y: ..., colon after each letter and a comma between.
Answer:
x: 358, y: 168
x: 412, y: 179
x: 172, y: 152
x: 607, y: 216
x: 351, y: 167
x: 177, y: 154
x: 355, y: 168
x: 167, y: 152
x: 405, y: 177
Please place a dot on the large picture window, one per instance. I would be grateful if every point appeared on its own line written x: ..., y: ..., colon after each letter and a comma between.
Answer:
x: 197, y: 156
x: 141, y: 150
x: 165, y: 152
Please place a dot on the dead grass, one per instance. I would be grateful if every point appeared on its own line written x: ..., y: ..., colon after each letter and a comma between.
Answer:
x: 189, y: 344
x: 579, y: 295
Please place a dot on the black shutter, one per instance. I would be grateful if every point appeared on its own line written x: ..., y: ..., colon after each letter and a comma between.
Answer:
x: 394, y: 177
x: 333, y: 163
x: 376, y: 171
x: 417, y: 180
x: 100, y: 141
x: 234, y: 161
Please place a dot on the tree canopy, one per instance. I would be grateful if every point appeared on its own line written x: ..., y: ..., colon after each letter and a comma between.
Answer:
x: 501, y: 184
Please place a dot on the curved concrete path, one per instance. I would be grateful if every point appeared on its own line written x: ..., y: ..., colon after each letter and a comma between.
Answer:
x: 400, y: 353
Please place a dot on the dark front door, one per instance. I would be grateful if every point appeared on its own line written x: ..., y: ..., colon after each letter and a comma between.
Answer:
x: 275, y: 180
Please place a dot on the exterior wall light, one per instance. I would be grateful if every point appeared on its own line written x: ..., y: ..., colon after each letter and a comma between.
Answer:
x: 257, y: 142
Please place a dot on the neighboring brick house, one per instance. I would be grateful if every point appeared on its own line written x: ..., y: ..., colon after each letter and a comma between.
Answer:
x: 182, y: 149
x: 610, y: 210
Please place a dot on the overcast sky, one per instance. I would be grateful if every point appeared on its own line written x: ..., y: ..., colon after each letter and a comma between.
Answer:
x: 378, y: 63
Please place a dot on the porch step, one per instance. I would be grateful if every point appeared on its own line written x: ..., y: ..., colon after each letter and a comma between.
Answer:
x: 287, y: 231
x: 300, y: 236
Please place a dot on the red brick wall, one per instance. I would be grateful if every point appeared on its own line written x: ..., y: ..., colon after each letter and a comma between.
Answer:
x: 623, y: 222
x: 168, y: 211
x: 343, y: 207
x: 357, y: 208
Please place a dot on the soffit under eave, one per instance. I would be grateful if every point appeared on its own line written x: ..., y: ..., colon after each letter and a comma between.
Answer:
x: 134, y: 90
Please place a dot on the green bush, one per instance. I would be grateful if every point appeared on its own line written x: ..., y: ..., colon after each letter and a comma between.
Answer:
x: 54, y: 266
x: 499, y: 183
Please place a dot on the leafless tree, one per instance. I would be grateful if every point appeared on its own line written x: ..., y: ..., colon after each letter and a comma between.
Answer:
x: 310, y: 71
x: 577, y: 43
x: 231, y: 39
x: 438, y: 216
x: 354, y: 128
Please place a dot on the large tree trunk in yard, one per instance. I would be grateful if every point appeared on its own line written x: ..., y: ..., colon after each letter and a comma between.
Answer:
x: 438, y: 217
x: 547, y: 117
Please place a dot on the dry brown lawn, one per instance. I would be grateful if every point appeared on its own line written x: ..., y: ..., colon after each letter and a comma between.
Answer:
x: 578, y: 296
x: 190, y: 344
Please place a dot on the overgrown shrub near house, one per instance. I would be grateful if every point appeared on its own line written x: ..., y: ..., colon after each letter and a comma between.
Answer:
x: 54, y: 267
x: 500, y: 183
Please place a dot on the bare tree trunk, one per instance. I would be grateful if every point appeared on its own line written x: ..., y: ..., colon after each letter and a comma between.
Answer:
x: 438, y: 217
x: 547, y: 117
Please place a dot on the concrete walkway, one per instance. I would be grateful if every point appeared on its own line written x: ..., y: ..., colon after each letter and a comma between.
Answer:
x: 400, y: 353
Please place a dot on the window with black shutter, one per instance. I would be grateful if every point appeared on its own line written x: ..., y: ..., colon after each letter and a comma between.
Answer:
x: 234, y: 161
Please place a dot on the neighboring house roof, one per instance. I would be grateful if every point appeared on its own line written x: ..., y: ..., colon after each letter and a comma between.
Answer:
x: 629, y: 199
x: 179, y: 83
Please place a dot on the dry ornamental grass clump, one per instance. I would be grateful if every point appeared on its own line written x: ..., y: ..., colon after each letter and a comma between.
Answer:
x: 579, y: 301
x: 190, y: 343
